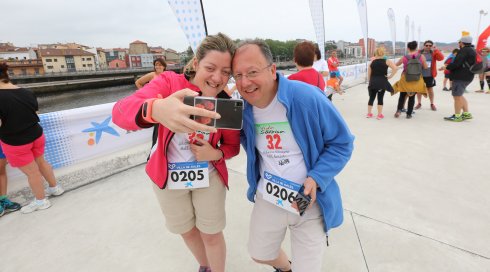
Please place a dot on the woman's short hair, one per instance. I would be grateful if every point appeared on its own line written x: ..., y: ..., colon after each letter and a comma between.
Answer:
x: 219, y: 42
x: 379, y: 52
x: 304, y: 54
x: 161, y: 61
x: 412, y: 45
x: 317, y: 52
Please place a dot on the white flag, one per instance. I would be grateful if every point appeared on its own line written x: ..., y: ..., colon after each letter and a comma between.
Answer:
x: 391, y: 20
x: 191, y: 20
x: 413, y: 31
x: 407, y: 22
x: 419, y: 30
x: 362, y: 8
x: 316, y: 10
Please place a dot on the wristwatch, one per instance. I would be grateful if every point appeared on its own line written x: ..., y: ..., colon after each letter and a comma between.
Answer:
x: 146, y: 110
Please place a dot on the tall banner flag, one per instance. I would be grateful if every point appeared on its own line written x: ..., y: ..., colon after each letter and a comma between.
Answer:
x: 362, y: 8
x: 407, y: 22
x: 316, y: 10
x: 190, y: 16
x: 413, y: 31
x: 483, y: 39
x: 391, y: 20
x: 418, y: 40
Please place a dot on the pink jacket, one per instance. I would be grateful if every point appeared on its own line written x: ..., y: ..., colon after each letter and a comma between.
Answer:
x: 127, y: 111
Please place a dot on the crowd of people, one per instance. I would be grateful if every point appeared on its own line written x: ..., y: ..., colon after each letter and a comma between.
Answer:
x: 295, y: 140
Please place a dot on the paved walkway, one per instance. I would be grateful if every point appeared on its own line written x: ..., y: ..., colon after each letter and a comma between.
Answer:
x: 416, y: 198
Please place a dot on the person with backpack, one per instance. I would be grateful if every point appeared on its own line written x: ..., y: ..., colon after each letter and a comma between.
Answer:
x: 432, y: 55
x: 462, y: 76
x: 448, y: 60
x: 411, y: 81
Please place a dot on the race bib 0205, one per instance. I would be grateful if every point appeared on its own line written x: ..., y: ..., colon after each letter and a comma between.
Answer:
x: 187, y: 175
x: 280, y: 192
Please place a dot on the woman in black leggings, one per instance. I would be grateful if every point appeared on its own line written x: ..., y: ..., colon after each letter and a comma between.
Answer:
x: 378, y: 81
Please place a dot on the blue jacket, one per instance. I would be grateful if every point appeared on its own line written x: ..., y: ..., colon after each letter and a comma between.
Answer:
x: 322, y: 135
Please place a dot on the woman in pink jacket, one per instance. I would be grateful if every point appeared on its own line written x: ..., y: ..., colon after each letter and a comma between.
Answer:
x: 187, y: 164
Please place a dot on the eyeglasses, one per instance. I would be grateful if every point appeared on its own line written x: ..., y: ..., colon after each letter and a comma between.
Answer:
x: 250, y: 74
x: 428, y: 45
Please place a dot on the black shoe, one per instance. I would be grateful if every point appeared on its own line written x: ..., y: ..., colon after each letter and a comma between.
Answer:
x: 409, y: 116
x: 404, y: 110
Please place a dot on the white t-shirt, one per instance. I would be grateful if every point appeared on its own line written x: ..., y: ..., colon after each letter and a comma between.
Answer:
x: 320, y: 65
x: 179, y: 149
x: 280, y: 155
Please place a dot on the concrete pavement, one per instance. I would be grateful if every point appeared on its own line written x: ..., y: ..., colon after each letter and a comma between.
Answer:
x: 415, y: 198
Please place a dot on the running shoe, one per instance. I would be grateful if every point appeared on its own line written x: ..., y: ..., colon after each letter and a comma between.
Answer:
x: 54, y: 191
x: 404, y: 110
x: 397, y: 114
x: 9, y: 206
x: 445, y: 89
x: 369, y: 115
x: 204, y: 269
x: 409, y: 116
x: 466, y: 116
x: 433, y: 107
x: 418, y: 106
x: 480, y: 91
x: 454, y: 118
x: 36, y: 205
x: 2, y: 210
x: 380, y: 116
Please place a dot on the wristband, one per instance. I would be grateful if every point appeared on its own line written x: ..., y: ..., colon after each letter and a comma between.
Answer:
x: 147, y: 109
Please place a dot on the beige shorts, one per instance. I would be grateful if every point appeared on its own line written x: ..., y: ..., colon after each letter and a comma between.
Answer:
x: 268, y: 225
x: 203, y: 207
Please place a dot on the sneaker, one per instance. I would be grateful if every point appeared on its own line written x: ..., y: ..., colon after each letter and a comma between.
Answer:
x: 466, y: 116
x: 36, y: 205
x: 369, y: 115
x: 204, y: 269
x: 54, y: 191
x: 404, y: 110
x: 445, y: 89
x: 418, y: 106
x: 450, y: 88
x: 480, y: 91
x: 397, y: 114
x: 2, y: 210
x: 380, y: 116
x: 487, y: 92
x: 9, y: 206
x: 433, y: 107
x: 454, y: 118
x: 409, y: 116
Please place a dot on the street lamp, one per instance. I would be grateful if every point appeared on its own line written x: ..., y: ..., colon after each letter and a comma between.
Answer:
x: 482, y: 13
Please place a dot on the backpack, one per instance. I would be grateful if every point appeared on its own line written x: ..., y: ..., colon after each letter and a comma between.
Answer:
x: 477, y: 67
x: 414, y: 68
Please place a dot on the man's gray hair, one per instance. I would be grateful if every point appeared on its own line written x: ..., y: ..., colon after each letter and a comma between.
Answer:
x: 264, y: 48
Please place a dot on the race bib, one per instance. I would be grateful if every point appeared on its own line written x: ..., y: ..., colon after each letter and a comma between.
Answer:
x: 429, y: 63
x: 280, y: 192
x: 187, y: 175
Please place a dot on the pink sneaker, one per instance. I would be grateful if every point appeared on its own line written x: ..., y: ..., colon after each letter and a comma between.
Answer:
x: 380, y: 116
x: 369, y: 115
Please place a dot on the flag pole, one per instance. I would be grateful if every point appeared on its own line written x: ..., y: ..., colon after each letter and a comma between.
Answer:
x: 204, y: 19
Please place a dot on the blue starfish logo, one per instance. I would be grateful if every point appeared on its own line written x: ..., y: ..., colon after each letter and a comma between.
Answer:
x: 188, y: 184
x: 279, y: 202
x: 101, y: 128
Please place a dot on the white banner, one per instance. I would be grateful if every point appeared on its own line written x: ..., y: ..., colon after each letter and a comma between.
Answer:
x: 391, y: 21
x: 413, y: 31
x: 407, y: 22
x: 362, y: 8
x: 316, y: 10
x: 190, y: 17
x: 418, y: 39
x: 82, y: 134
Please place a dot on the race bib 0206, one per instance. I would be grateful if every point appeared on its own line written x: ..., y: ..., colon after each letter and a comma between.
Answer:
x: 187, y: 175
x: 280, y: 192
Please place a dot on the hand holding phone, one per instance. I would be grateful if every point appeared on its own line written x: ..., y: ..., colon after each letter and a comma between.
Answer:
x: 230, y: 110
x: 302, y: 200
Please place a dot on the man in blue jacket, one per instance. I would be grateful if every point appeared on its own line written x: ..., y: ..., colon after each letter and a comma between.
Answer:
x: 293, y: 137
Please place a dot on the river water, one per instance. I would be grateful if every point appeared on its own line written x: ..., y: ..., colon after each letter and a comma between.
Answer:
x: 83, y: 98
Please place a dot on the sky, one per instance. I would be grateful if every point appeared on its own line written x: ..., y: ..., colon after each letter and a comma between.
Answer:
x: 116, y: 23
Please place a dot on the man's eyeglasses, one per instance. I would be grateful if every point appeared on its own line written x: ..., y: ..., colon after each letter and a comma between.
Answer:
x: 250, y: 74
x: 428, y: 45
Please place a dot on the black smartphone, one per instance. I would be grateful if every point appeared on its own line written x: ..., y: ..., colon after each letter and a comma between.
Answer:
x: 302, y: 200
x: 231, y: 111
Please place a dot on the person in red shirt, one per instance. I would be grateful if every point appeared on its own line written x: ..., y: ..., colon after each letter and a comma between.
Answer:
x: 304, y: 55
x: 333, y: 65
